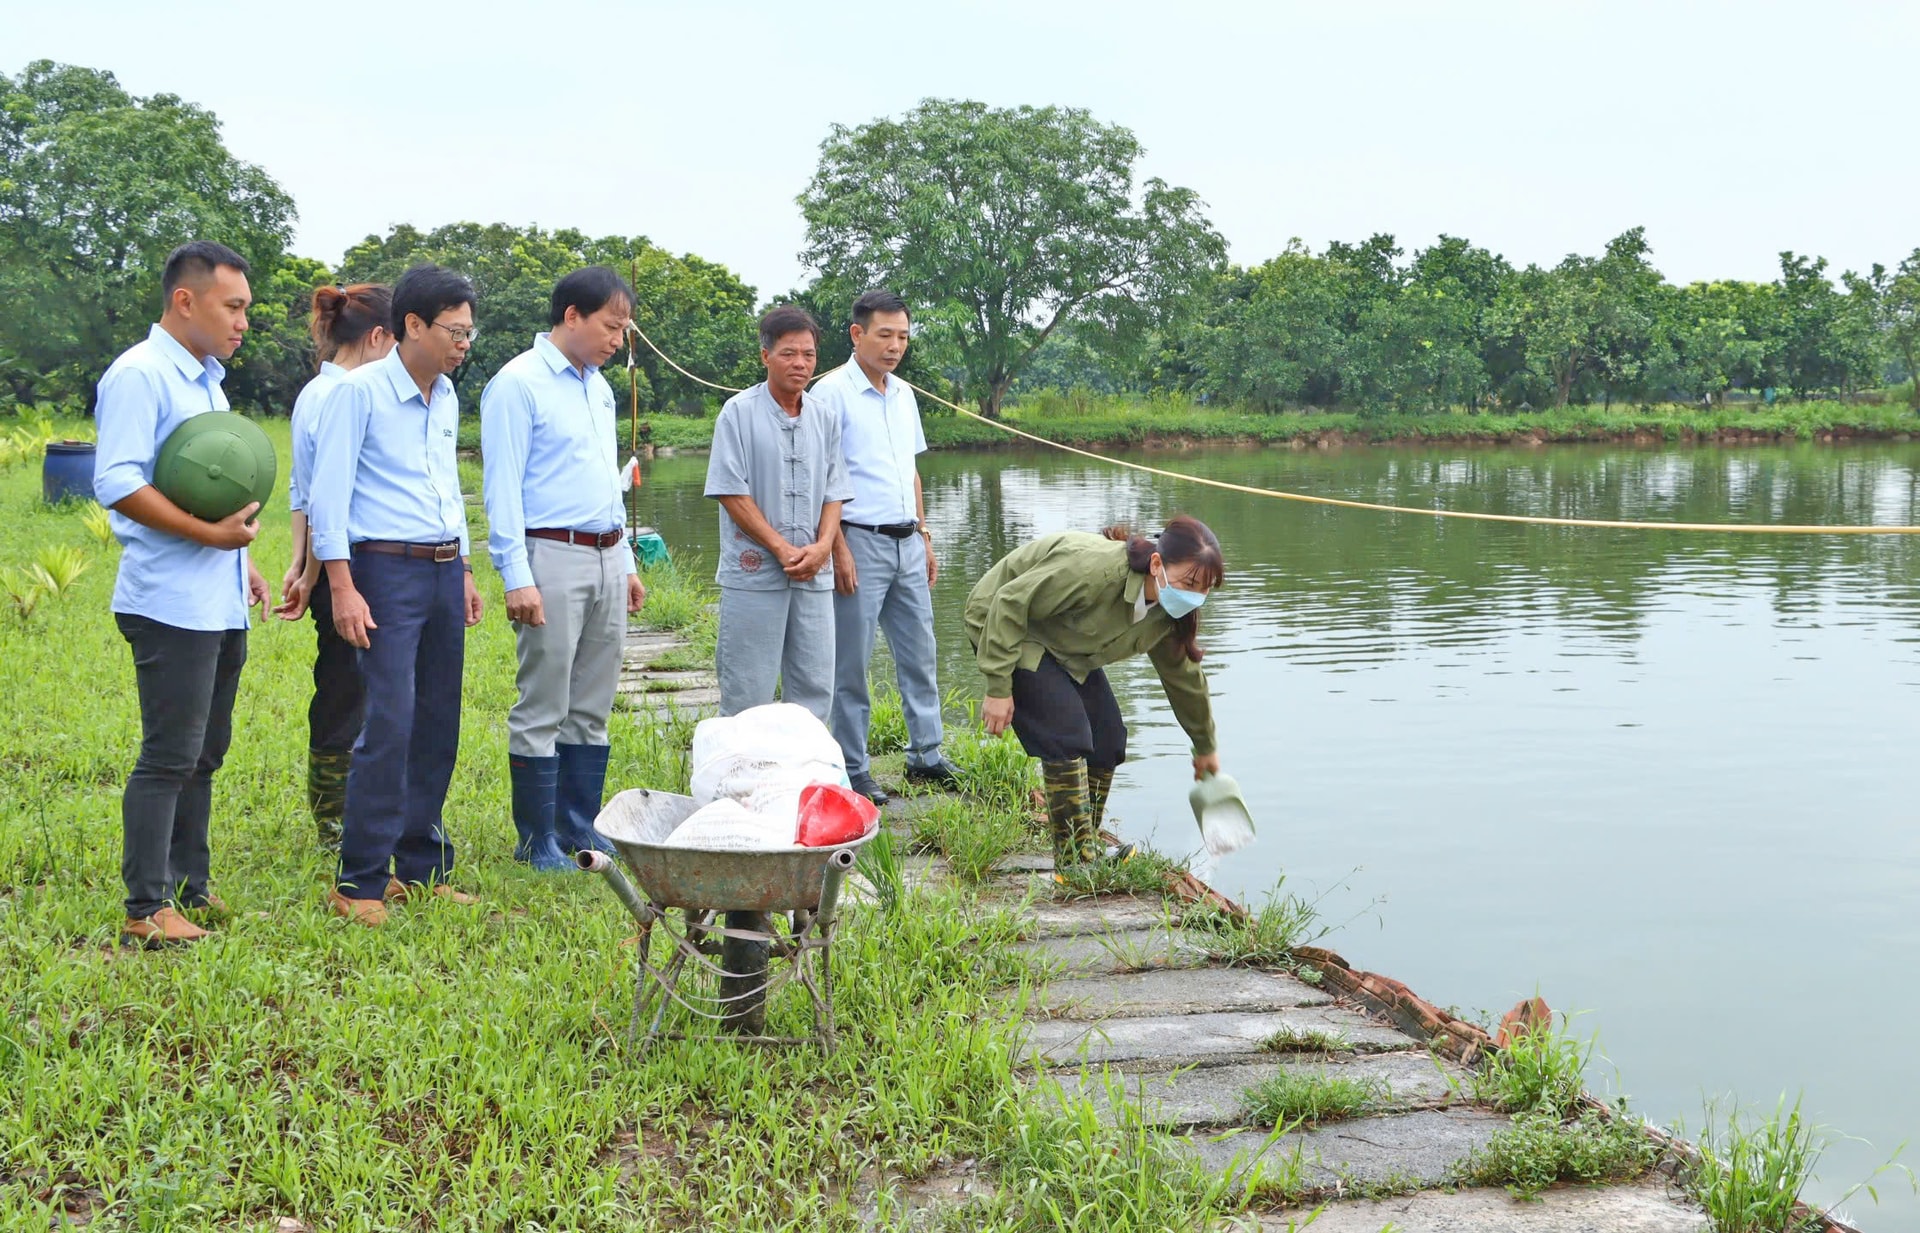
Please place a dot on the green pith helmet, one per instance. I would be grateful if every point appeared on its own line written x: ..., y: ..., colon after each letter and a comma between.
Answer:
x: 214, y: 464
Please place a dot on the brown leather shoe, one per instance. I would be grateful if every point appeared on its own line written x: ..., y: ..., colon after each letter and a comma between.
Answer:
x: 396, y: 889
x: 210, y: 910
x: 163, y: 928
x: 369, y: 912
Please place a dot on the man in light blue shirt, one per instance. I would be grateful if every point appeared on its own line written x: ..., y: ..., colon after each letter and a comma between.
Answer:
x: 390, y: 527
x: 778, y: 472
x: 883, y: 562
x: 556, y: 534
x: 182, y: 593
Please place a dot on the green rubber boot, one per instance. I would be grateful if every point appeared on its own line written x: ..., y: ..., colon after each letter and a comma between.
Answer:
x: 327, y: 792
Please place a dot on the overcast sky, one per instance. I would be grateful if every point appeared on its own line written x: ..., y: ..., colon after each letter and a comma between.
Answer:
x: 1730, y: 130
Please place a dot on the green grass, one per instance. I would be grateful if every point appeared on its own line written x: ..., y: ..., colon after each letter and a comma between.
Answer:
x: 462, y: 1068
x: 974, y: 841
x: 1295, y: 1039
x: 1264, y: 938
x: 1124, y: 421
x: 1540, y: 1071
x: 1133, y: 420
x: 1309, y: 1097
x: 1749, y: 1175
x: 1540, y: 1149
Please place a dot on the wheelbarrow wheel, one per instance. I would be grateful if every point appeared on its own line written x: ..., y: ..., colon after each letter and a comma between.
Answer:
x: 743, y: 990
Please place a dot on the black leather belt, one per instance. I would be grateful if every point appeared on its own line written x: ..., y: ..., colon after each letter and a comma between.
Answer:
x: 896, y: 530
x: 586, y: 539
x: 438, y: 553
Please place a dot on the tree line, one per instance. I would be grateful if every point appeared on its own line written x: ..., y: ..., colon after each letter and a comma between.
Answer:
x: 1033, y: 256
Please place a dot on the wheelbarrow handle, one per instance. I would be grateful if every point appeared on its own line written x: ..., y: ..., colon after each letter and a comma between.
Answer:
x: 830, y: 879
x: 608, y: 868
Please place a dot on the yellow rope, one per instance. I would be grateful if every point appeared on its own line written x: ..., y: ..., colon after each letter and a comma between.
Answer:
x: 1735, y: 528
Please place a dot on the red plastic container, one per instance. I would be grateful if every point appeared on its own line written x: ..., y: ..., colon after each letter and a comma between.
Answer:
x: 831, y: 815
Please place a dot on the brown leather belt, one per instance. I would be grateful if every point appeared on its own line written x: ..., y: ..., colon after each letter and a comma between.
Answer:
x: 439, y: 553
x: 586, y: 539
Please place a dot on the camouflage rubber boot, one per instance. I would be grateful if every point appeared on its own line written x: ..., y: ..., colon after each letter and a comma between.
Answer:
x: 1099, y: 785
x: 327, y: 792
x: 1066, y: 785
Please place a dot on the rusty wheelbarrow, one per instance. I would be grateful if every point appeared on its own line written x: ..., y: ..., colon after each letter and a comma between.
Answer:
x: 779, y: 903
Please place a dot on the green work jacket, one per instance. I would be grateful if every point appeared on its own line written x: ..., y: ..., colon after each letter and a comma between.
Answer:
x: 1071, y: 595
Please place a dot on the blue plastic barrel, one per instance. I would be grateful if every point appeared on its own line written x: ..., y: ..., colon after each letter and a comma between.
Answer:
x: 67, y: 472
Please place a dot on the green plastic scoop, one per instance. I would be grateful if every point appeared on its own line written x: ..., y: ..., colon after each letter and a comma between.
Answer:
x: 1225, y: 823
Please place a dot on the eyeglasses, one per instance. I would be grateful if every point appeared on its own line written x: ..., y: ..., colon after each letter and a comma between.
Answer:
x: 462, y: 333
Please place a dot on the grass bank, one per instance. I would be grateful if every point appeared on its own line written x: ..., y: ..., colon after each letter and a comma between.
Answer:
x: 1113, y: 422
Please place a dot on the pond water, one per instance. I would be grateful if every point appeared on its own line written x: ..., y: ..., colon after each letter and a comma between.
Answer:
x: 1662, y: 779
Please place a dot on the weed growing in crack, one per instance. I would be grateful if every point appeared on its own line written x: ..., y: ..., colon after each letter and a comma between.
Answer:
x: 1296, y: 1039
x: 1541, y: 1070
x: 1540, y: 1149
x: 1749, y: 1175
x: 1313, y: 1096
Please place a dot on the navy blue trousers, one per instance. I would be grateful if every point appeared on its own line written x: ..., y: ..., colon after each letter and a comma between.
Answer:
x: 403, y: 759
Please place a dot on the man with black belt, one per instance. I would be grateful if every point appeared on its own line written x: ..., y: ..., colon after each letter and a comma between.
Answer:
x: 555, y: 532
x: 883, y: 562
x: 390, y: 526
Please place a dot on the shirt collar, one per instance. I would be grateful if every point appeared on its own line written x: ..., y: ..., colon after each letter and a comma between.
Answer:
x: 330, y: 369
x: 182, y: 358
x: 858, y: 376
x: 402, y: 380
x: 1134, y: 587
x: 765, y: 391
x: 557, y: 359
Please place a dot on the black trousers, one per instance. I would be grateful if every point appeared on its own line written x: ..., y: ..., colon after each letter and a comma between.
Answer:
x: 187, y: 679
x: 339, y: 703
x: 1059, y: 719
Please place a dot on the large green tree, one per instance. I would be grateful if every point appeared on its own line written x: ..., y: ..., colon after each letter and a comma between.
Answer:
x: 1001, y: 225
x: 699, y: 312
x: 1900, y: 315
x: 1590, y: 324
x: 96, y: 188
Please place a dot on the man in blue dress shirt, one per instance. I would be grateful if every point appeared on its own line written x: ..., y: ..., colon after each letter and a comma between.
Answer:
x: 556, y: 534
x: 883, y: 562
x: 182, y: 593
x: 390, y: 528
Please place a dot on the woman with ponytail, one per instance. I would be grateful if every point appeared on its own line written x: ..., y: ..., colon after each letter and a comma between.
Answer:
x: 1045, y: 621
x: 349, y: 327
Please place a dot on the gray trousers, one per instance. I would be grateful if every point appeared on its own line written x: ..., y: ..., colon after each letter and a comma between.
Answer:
x: 892, y: 595
x: 784, y: 635
x: 569, y: 667
x: 187, y: 680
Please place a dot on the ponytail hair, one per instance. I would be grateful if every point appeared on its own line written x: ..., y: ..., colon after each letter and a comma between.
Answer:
x: 1186, y: 541
x: 343, y: 316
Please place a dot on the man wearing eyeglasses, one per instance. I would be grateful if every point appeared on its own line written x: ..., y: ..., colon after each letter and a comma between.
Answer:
x: 390, y: 527
x: 556, y: 534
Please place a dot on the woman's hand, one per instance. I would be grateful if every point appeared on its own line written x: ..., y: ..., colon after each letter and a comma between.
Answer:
x: 1205, y: 765
x: 996, y: 714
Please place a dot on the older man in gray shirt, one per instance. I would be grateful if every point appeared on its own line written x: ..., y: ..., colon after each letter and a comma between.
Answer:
x: 780, y: 477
